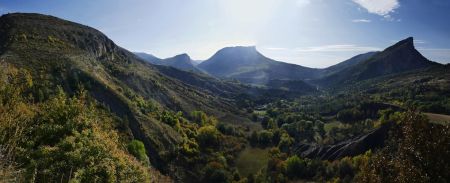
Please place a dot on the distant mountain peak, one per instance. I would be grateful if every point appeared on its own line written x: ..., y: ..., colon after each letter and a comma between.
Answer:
x: 238, y: 49
x: 241, y: 47
x: 183, y: 56
x: 247, y: 65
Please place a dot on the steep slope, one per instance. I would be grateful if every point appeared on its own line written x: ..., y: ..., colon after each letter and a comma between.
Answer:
x: 63, y: 53
x: 247, y: 65
x: 400, y: 57
x: 291, y: 85
x: 148, y: 57
x: 205, y: 82
x: 348, y: 63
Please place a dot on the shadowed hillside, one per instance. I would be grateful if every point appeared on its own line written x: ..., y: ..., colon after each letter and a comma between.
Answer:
x: 400, y: 57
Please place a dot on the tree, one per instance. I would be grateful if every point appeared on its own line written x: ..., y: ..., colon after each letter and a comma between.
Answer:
x: 265, y: 137
x: 215, y: 172
x: 208, y: 136
x: 295, y: 166
x: 285, y: 142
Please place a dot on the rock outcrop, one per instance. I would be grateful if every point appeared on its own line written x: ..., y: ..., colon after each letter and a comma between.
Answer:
x: 353, y: 147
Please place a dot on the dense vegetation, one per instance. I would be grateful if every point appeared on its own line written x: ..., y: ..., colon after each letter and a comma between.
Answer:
x: 63, y: 138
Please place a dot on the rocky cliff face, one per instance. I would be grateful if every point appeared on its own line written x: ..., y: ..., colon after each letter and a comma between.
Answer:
x: 353, y: 147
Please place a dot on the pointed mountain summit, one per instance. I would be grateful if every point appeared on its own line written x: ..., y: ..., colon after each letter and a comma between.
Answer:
x: 182, y: 62
x: 400, y: 57
x: 248, y: 65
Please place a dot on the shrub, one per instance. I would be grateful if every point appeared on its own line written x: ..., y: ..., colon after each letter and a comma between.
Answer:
x: 202, y: 119
x: 137, y: 149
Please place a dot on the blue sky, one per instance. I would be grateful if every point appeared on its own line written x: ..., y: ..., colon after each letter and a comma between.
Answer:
x: 314, y: 33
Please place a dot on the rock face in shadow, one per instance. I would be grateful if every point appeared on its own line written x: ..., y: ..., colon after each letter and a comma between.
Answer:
x: 353, y: 147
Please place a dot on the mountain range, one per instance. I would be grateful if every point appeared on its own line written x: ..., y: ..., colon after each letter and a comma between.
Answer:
x: 182, y: 61
x: 249, y: 66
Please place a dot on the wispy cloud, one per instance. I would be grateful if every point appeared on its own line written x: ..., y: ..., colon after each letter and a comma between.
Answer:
x: 418, y: 41
x: 337, y: 48
x: 436, y: 54
x: 379, y: 7
x: 2, y: 10
x: 361, y: 21
x: 434, y: 49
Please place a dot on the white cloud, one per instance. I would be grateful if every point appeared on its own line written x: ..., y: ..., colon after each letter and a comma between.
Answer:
x: 337, y: 48
x: 379, y: 7
x: 361, y: 21
x: 275, y: 48
x: 302, y: 3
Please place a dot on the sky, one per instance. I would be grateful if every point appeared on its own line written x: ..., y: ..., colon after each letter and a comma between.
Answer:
x: 313, y: 33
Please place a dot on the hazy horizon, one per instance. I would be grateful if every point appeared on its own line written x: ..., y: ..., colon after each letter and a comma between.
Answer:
x: 310, y: 33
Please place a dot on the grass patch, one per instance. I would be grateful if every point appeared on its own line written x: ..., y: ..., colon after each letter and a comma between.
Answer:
x: 438, y: 118
x: 251, y: 160
x: 335, y: 124
x: 259, y: 112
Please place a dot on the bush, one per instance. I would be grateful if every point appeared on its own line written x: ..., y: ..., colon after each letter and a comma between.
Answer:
x: 137, y: 149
